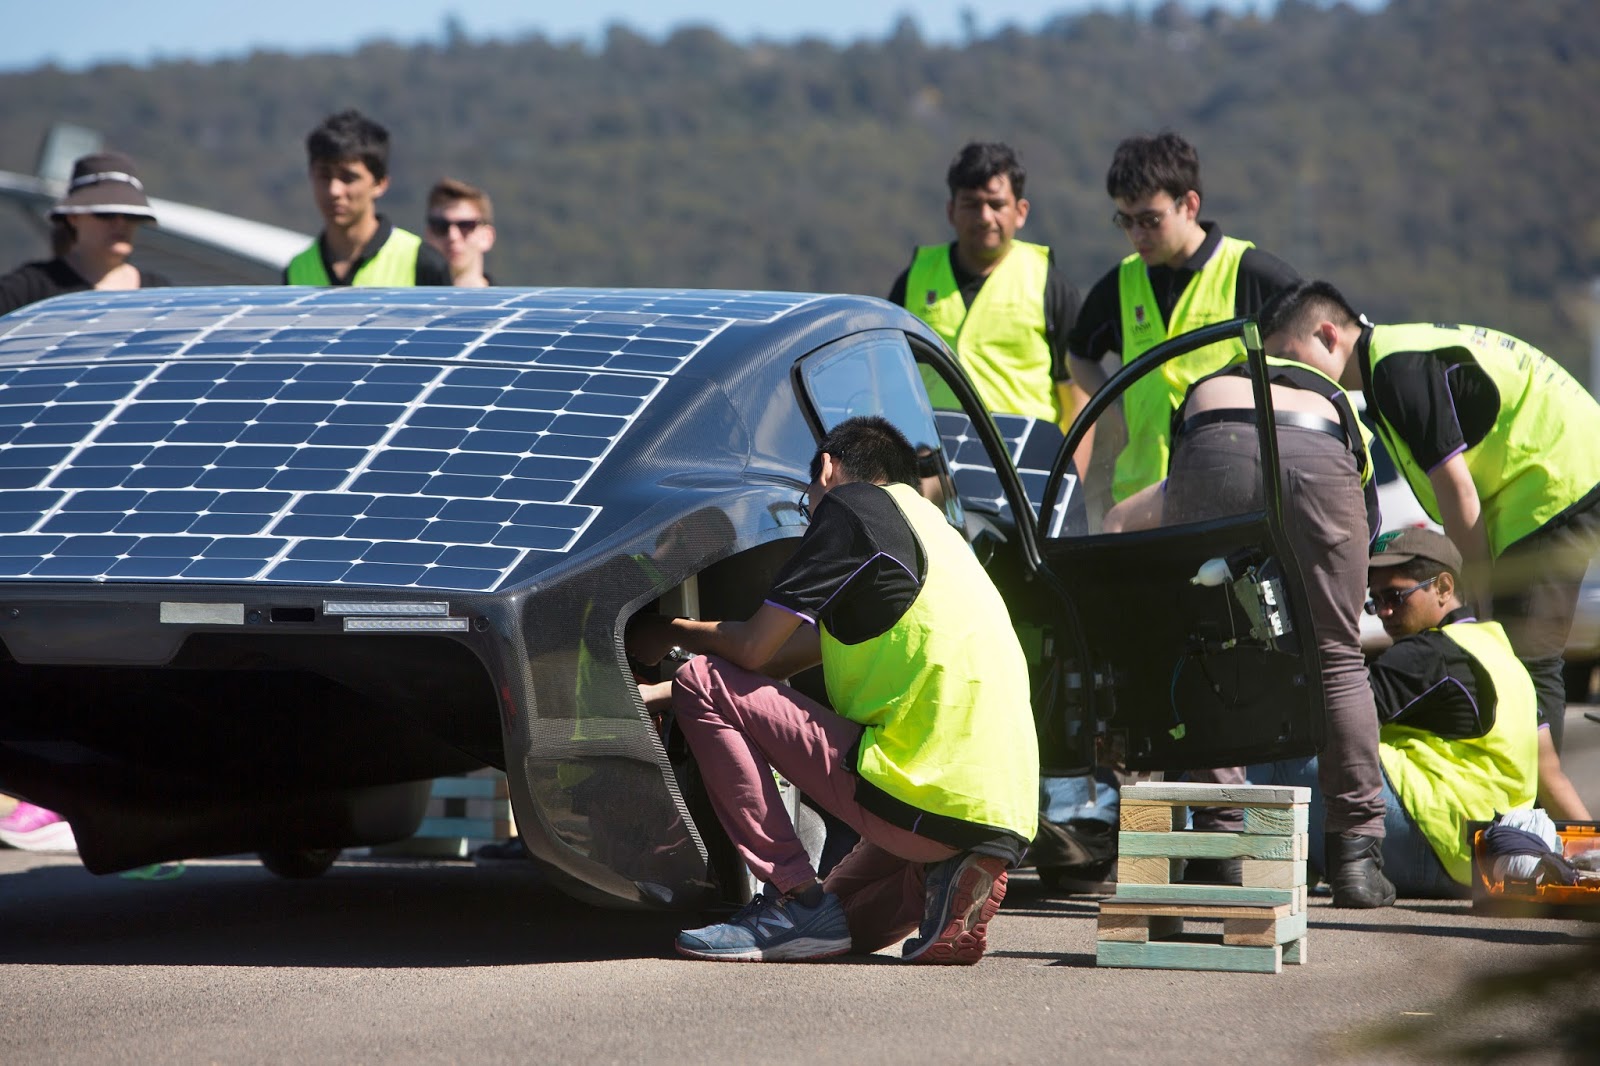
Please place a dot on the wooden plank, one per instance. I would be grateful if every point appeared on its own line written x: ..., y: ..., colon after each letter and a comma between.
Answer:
x: 1260, y: 932
x: 1194, y: 792
x: 1181, y: 956
x: 1150, y: 870
x: 1302, y: 894
x: 1192, y: 845
x: 1276, y: 821
x: 1295, y: 954
x: 475, y: 828
x: 470, y: 787
x: 1302, y: 848
x: 1156, y: 818
x: 1222, y: 895
x: 1273, y: 873
x: 1194, y: 910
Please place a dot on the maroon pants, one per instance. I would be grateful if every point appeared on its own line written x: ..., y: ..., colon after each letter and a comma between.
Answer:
x: 742, y: 726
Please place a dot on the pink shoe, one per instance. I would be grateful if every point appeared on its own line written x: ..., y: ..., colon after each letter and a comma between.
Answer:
x: 32, y: 828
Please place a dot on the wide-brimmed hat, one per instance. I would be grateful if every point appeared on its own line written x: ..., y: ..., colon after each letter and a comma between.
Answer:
x: 105, y: 183
x: 1402, y: 546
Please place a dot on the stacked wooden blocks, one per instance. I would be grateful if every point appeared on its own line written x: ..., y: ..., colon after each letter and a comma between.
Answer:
x: 1263, y: 920
x: 464, y: 811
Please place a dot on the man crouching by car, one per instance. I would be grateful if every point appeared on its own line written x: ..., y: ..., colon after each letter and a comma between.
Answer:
x: 930, y: 754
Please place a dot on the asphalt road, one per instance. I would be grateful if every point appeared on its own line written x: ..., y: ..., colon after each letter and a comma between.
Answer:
x: 440, y: 962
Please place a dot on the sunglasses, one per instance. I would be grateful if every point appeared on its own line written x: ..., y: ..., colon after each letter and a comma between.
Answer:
x: 1394, y: 599
x: 803, y: 505
x: 438, y: 225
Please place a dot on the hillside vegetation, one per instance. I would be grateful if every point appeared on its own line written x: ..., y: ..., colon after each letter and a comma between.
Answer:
x: 1434, y: 158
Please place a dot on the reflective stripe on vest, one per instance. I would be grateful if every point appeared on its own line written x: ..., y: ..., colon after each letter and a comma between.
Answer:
x: 1541, y: 455
x: 1000, y: 340
x: 943, y: 694
x: 1207, y: 299
x: 1443, y: 784
x: 394, y: 266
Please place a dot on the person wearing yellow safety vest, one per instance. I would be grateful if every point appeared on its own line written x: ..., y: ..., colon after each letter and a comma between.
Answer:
x: 1493, y: 437
x: 1183, y: 274
x: 1459, y: 736
x: 1330, y: 515
x: 999, y: 303
x: 930, y: 753
x: 349, y: 169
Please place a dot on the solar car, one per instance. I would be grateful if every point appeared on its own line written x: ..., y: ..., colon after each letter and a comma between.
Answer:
x: 271, y: 560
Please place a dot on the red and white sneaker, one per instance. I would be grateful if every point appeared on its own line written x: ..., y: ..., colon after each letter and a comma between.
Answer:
x: 32, y: 828
x: 963, y: 896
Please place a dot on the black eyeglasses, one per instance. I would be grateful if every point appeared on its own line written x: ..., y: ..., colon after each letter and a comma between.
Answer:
x: 1145, y: 220
x: 438, y: 225
x: 1394, y: 599
x: 803, y: 505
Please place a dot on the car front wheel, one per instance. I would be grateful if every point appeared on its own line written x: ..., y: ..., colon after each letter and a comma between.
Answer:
x: 299, y: 864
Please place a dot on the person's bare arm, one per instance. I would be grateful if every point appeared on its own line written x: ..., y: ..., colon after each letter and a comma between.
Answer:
x: 750, y: 643
x: 1462, y: 512
x: 1556, y: 794
x: 1142, y: 510
x: 801, y: 651
x: 1072, y: 398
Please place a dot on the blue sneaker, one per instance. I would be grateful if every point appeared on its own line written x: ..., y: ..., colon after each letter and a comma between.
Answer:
x: 963, y: 896
x: 772, y: 928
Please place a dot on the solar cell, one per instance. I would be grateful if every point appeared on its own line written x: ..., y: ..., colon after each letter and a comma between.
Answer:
x: 416, y: 438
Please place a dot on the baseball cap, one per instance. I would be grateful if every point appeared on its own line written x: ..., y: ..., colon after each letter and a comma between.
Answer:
x: 1403, y: 545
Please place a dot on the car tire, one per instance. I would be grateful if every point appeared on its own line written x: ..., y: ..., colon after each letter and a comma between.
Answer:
x: 1579, y: 680
x: 299, y: 864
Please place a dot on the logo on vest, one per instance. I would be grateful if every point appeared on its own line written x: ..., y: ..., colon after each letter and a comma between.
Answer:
x: 1140, y: 319
x: 931, y: 298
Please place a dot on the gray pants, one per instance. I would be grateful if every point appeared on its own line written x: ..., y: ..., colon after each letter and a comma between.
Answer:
x: 1215, y: 471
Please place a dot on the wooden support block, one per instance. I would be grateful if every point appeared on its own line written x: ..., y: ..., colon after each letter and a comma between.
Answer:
x: 1151, y: 818
x: 1301, y: 895
x: 1211, y: 845
x: 1219, y: 895
x: 1137, y: 928
x: 1302, y: 848
x: 1274, y: 873
x: 1294, y: 954
x: 1183, y: 956
x: 1150, y: 870
x: 1260, y: 933
x: 1278, y: 821
x: 1192, y: 793
x: 1195, y: 910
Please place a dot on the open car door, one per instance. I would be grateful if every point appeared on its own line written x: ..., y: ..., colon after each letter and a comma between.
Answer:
x: 1188, y: 645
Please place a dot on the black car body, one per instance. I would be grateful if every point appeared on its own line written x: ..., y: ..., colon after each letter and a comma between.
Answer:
x: 272, y: 559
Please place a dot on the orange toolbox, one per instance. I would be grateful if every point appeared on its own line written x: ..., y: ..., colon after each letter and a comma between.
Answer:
x: 1513, y: 898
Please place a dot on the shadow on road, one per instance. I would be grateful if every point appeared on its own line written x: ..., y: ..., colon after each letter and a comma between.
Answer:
x: 366, y: 915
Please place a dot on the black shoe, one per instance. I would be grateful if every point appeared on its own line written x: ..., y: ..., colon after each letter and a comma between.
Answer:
x: 1213, y: 872
x: 1355, y: 871
x: 1079, y: 856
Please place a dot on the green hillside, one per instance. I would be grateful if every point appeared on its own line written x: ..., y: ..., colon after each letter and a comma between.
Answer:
x: 1433, y: 158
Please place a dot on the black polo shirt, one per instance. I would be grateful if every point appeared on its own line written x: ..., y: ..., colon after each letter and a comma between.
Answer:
x: 1428, y: 681
x: 1060, y: 305
x: 32, y: 282
x: 1099, y: 327
x: 1440, y: 403
x: 432, y: 267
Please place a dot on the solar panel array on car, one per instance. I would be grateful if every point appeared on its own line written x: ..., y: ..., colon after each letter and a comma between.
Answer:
x: 430, y: 438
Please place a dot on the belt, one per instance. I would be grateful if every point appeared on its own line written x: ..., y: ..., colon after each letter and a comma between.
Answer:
x: 1248, y: 416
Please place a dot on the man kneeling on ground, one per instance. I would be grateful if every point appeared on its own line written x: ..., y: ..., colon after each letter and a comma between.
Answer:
x: 930, y: 754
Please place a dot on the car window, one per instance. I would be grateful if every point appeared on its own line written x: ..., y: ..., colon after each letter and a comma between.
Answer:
x: 875, y: 374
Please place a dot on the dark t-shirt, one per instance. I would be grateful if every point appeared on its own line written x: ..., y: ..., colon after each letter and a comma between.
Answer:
x: 1427, y: 681
x: 33, y: 282
x: 1060, y: 305
x: 1440, y: 403
x: 858, y: 568
x: 432, y: 267
x: 1099, y: 327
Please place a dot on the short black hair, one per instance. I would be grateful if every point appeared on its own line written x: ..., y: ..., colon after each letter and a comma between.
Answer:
x: 1142, y: 166
x: 869, y: 448
x: 1296, y: 309
x: 350, y: 135
x: 978, y: 163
